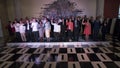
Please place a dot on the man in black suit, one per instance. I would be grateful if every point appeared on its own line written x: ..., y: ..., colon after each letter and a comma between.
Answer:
x: 77, y: 28
x: 63, y: 30
x: 28, y: 31
x: 96, y: 28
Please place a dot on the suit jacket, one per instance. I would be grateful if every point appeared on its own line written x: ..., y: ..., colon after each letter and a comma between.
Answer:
x: 26, y: 25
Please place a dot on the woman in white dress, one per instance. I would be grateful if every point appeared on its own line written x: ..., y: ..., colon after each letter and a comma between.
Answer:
x: 22, y: 31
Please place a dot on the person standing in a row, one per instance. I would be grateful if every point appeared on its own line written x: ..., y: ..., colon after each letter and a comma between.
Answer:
x: 96, y: 28
x: 77, y: 28
x: 87, y: 28
x: 41, y: 30
x: 11, y: 30
x: 17, y: 33
x: 22, y: 31
x: 34, y: 27
x: 28, y: 30
x: 70, y: 26
x: 63, y: 30
x: 56, y: 30
x: 47, y: 29
x: 104, y: 29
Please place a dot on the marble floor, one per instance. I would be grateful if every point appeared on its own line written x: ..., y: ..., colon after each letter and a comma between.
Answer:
x: 60, y: 55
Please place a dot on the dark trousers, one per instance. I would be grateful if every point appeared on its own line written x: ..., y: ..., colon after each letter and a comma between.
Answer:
x: 103, y: 36
x: 95, y: 34
x: 70, y: 35
x: 63, y: 36
x: 76, y: 33
x: 17, y: 37
x: 57, y: 36
x: 35, y: 36
x: 29, y: 35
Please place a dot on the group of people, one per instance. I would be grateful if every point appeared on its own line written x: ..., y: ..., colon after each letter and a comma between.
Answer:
x: 60, y: 29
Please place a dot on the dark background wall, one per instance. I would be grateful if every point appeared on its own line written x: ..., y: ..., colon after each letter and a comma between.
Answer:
x: 111, y: 8
x: 3, y: 17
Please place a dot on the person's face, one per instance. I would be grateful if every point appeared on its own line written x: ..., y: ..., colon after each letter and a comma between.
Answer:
x: 72, y: 18
x: 78, y: 18
x: 33, y: 20
x: 15, y: 21
x: 66, y: 20
x: 62, y: 20
x: 40, y: 22
x: 20, y: 22
x: 69, y: 20
x: 27, y: 21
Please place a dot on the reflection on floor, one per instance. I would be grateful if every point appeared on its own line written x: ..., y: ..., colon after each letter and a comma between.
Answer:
x: 61, y: 55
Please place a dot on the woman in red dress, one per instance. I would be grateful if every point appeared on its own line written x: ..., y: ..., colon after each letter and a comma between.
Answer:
x: 87, y: 29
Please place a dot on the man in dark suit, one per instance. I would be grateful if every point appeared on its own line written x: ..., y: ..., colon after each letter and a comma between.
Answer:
x: 63, y: 30
x: 77, y: 28
x: 28, y: 31
x: 96, y: 28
